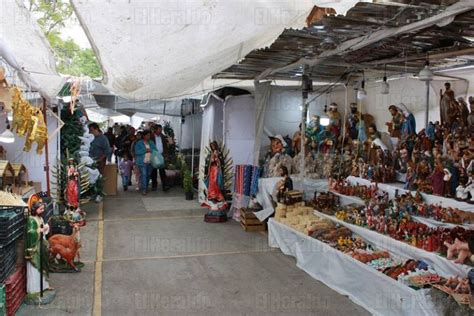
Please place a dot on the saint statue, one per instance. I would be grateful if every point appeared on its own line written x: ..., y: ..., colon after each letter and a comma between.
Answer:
x: 448, y: 105
x: 36, y: 248
x: 334, y: 120
x: 395, y: 126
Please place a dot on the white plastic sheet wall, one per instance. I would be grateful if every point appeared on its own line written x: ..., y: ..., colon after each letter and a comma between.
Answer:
x: 165, y: 49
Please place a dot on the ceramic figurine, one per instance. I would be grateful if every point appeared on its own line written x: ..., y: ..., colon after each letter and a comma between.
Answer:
x: 284, y: 185
x: 334, y: 120
x: 215, y: 184
x: 395, y: 126
x: 36, y: 247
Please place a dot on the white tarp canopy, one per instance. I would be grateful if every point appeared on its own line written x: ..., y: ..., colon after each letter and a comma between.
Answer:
x: 166, y: 49
x: 24, y: 47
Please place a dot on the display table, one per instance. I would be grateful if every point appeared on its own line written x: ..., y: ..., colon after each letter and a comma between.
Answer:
x: 443, y: 266
x: 267, y: 185
x: 376, y: 292
x: 429, y: 198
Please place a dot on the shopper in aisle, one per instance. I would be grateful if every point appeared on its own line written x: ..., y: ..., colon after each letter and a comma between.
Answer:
x: 100, y: 147
x: 161, y: 142
x: 120, y: 142
x: 143, y: 150
x: 125, y: 167
x: 136, y: 169
x: 111, y: 137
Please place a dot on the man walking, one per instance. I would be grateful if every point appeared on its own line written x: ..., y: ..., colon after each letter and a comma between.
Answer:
x: 161, y: 142
x: 100, y: 147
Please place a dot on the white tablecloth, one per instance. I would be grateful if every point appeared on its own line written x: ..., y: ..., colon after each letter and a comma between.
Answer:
x: 429, y: 198
x: 443, y: 266
x: 364, y: 285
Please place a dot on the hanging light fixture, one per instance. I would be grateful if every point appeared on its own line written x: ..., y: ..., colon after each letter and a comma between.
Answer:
x: 426, y: 74
x: 361, y: 93
x: 385, y: 85
x: 7, y: 136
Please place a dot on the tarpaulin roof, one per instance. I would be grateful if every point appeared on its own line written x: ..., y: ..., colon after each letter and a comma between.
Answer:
x: 165, y: 49
x: 24, y: 47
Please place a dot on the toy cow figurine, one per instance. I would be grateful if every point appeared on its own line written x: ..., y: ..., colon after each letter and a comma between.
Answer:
x: 65, y: 247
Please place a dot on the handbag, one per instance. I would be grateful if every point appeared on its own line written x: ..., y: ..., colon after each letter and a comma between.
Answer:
x: 157, y: 160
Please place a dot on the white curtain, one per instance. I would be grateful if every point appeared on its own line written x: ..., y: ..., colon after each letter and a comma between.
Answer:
x: 239, y: 125
x: 262, y: 95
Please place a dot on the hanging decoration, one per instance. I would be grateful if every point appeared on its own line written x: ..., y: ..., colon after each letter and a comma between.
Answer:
x: 5, y: 93
x: 75, y: 91
x: 28, y: 121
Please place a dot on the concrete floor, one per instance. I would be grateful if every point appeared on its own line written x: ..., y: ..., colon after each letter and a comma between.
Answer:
x: 158, y: 257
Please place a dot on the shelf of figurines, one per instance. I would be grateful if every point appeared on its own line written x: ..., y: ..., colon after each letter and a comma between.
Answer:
x: 420, y: 280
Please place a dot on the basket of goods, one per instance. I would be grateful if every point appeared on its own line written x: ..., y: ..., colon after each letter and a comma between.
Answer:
x: 325, y: 202
x: 293, y: 197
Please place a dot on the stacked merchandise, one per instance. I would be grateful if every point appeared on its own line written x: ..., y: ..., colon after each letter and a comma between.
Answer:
x: 15, y: 290
x: 12, y: 224
x: 12, y: 229
x: 3, y: 309
x: 7, y: 261
x: 245, y: 186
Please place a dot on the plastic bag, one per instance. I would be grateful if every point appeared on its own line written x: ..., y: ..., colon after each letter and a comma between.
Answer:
x: 157, y: 160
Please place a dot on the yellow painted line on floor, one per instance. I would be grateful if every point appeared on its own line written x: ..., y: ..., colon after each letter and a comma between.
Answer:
x: 97, y: 307
x: 190, y: 256
x: 151, y: 218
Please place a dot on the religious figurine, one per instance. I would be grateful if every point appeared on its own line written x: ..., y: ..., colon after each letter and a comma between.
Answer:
x: 334, y: 120
x: 448, y: 107
x: 447, y: 182
x: 71, y: 193
x: 463, y: 111
x: 437, y: 182
x: 395, y: 126
x: 284, y: 185
x: 470, y: 187
x: 326, y: 140
x: 276, y: 157
x: 353, y: 119
x: 215, y: 185
x: 408, y: 127
x: 470, y: 117
x: 36, y: 249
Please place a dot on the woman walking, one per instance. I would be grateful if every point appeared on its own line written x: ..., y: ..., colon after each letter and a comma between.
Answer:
x: 136, y: 169
x: 143, y: 150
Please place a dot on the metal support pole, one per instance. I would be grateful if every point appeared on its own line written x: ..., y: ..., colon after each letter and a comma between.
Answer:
x: 303, y: 135
x: 41, y: 260
x: 192, y: 149
x: 46, y: 150
x: 427, y: 113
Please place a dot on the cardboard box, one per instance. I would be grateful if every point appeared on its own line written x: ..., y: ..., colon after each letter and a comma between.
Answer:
x: 110, y: 179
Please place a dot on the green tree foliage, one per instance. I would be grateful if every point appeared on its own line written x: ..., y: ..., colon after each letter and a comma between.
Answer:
x: 71, y: 59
